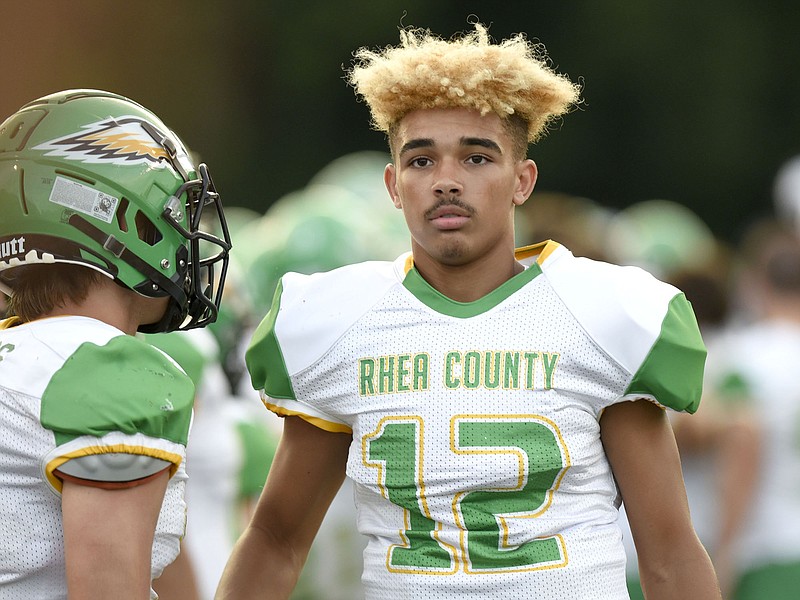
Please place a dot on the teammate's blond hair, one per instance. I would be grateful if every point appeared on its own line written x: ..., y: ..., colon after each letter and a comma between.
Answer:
x: 425, y: 71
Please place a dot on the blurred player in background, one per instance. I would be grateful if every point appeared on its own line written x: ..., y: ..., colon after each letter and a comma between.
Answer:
x: 108, y: 229
x: 756, y: 379
x: 341, y: 216
x: 718, y: 445
x: 483, y: 402
x: 229, y: 452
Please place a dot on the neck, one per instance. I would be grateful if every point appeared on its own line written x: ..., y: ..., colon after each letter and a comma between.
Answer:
x: 109, y: 303
x: 468, y: 282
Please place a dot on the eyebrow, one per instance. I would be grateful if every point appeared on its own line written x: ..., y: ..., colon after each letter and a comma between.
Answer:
x: 416, y: 143
x: 487, y: 143
x: 464, y: 141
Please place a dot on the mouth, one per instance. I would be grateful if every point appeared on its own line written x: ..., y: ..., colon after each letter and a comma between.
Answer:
x: 451, y: 214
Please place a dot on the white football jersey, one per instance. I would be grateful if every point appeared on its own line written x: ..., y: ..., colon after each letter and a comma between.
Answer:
x: 75, y: 387
x: 476, y: 457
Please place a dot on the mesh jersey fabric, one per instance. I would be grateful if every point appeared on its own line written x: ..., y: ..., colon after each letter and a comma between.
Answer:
x: 476, y: 456
x: 756, y: 366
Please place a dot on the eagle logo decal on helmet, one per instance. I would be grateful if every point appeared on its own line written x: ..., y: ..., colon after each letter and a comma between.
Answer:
x: 120, y: 140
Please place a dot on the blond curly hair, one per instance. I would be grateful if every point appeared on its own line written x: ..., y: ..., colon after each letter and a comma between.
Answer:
x: 512, y: 78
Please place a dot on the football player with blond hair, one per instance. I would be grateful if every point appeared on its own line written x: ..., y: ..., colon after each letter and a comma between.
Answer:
x: 491, y: 406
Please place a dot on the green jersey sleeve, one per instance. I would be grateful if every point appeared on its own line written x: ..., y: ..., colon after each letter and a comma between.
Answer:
x: 672, y: 372
x: 264, y: 358
x: 258, y: 450
x: 123, y: 397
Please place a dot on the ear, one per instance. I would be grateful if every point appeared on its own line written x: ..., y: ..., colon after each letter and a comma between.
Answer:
x: 390, y: 181
x: 527, y: 172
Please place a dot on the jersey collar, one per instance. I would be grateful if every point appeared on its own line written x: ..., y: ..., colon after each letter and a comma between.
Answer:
x: 437, y: 301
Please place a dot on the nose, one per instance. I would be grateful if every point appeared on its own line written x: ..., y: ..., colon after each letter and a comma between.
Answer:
x: 446, y: 182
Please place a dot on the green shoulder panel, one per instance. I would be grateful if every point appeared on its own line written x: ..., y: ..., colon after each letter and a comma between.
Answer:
x: 126, y: 386
x: 672, y: 372
x: 264, y: 358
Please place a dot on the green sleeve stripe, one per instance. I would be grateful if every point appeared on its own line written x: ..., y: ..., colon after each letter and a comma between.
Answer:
x: 258, y: 450
x: 264, y: 358
x: 734, y: 390
x: 124, y: 386
x: 672, y: 372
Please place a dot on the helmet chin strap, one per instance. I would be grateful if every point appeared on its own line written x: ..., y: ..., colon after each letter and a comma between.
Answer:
x: 156, y: 285
x: 173, y: 317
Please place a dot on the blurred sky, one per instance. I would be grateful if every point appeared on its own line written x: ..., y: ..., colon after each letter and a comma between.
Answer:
x: 687, y: 100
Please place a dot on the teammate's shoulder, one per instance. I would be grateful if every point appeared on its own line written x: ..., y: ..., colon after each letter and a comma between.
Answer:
x: 123, y: 382
x: 116, y: 394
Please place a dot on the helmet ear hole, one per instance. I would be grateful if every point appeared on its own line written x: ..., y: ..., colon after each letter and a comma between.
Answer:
x: 146, y: 229
x: 122, y: 220
x: 16, y: 130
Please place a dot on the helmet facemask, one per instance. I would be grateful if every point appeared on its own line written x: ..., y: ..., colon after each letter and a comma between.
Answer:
x: 209, y: 245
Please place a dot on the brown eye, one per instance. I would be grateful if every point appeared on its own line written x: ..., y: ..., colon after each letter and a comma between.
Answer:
x: 421, y: 161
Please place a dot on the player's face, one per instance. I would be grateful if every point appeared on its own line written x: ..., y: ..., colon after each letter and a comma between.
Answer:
x: 457, y: 181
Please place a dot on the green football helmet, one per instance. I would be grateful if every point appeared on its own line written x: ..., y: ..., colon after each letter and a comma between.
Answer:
x: 92, y: 178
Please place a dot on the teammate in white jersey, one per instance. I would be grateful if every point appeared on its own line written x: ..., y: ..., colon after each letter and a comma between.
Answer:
x: 99, y: 238
x: 483, y: 403
x: 755, y: 378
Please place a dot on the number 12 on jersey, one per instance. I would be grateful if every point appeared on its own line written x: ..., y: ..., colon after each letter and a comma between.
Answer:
x: 396, y: 450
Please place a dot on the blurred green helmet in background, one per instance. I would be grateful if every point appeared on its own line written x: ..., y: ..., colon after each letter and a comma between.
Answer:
x: 92, y: 178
